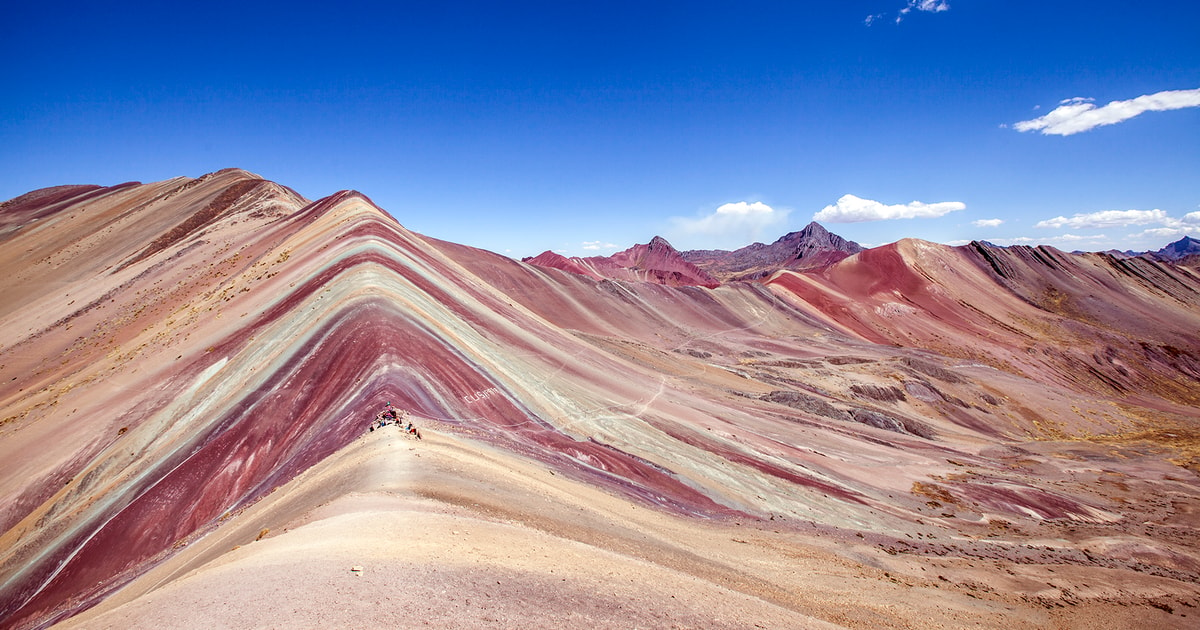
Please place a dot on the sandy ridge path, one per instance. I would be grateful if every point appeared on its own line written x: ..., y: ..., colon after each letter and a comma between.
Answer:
x: 377, y: 462
x: 425, y: 563
x: 454, y: 533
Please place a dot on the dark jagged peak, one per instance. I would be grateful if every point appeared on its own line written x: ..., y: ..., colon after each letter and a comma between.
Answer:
x: 813, y: 230
x: 1183, y: 248
x: 1186, y: 246
x: 657, y: 261
x: 659, y: 242
x: 810, y: 248
x: 815, y: 239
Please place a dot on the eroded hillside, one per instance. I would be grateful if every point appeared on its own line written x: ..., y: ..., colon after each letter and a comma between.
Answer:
x: 916, y: 434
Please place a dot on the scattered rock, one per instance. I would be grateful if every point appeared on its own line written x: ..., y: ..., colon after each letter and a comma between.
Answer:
x: 804, y: 402
x: 876, y: 392
x: 932, y: 370
x: 896, y: 424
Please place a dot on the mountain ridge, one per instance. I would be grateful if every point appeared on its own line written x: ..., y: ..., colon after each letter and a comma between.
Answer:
x: 657, y: 261
x: 809, y: 248
x: 169, y: 413
x: 1183, y: 248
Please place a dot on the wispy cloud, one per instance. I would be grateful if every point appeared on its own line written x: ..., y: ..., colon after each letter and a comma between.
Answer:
x: 931, y: 6
x: 1173, y: 228
x: 1078, y: 114
x: 1169, y: 232
x: 1106, y: 219
x: 851, y: 209
x: 598, y: 245
x: 988, y: 222
x: 1188, y: 225
x: 737, y: 222
x: 1123, y: 218
x: 1170, y: 227
x: 928, y: 6
x: 1062, y: 239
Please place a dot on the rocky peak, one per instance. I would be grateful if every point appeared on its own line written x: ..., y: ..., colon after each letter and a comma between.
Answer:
x: 1185, y: 246
x: 815, y: 237
x: 657, y: 261
x: 809, y: 248
x: 659, y: 242
x: 813, y: 230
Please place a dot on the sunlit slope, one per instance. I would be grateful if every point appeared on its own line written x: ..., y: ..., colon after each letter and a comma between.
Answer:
x: 174, y: 352
x: 1089, y: 322
x: 239, y: 335
x: 449, y: 532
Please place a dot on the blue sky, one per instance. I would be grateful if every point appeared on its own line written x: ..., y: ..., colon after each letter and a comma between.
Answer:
x: 588, y: 127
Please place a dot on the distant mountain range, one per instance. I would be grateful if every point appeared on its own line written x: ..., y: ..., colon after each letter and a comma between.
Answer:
x: 813, y: 247
x: 810, y: 248
x: 1181, y: 251
x: 656, y: 261
x: 191, y: 371
x: 1185, y: 248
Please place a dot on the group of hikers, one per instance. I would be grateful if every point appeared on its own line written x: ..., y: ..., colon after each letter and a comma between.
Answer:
x: 390, y: 415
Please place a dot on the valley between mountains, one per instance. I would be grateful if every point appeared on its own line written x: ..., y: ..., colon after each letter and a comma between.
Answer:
x: 807, y: 434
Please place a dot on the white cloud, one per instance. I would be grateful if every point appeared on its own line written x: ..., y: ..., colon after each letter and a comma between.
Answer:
x: 1170, y: 228
x: 1107, y: 218
x: 1076, y: 115
x: 598, y: 245
x: 929, y: 6
x: 932, y: 6
x: 851, y: 209
x: 1071, y: 238
x: 1186, y: 226
x: 733, y: 221
x: 1061, y: 239
x: 987, y: 222
x: 1167, y: 232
